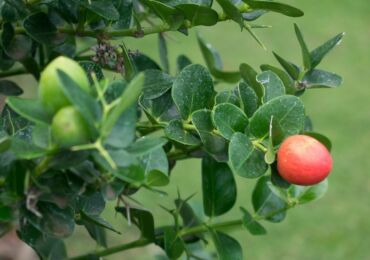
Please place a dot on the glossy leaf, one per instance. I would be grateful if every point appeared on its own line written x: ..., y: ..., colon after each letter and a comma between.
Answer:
x: 219, y: 187
x: 39, y: 27
x: 214, y: 63
x: 305, y: 194
x: 273, y: 86
x: 125, y: 10
x: 304, y: 49
x: 163, y: 52
x: 16, y: 46
x: 285, y: 78
x: 173, y: 244
x: 232, y: 11
x: 156, y: 168
x: 288, y: 111
x: 226, y: 246
x: 143, y: 62
x: 275, y: 7
x: 142, y: 218
x: 175, y: 131
x: 104, y: 9
x: 146, y: 145
x: 213, y: 143
x: 244, y: 159
x: 199, y: 14
x: 25, y: 150
x: 249, y: 75
x: 156, y: 83
x: 229, y: 119
x: 9, y: 88
x: 167, y: 13
x: 161, y: 109
x: 189, y: 218
x: 320, y: 52
x: 227, y: 96
x: 128, y: 64
x: 182, y: 61
x: 192, y: 90
x: 289, y: 67
x: 253, y: 226
x: 248, y: 99
x: 266, y: 203
x: 30, y: 109
x: 128, y: 98
x: 321, y: 79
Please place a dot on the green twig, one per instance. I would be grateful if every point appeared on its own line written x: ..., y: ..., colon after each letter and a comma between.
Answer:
x: 202, y: 228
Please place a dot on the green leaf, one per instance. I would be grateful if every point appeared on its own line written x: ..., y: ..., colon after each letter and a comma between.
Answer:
x: 104, y: 9
x: 199, y: 14
x: 161, y: 109
x: 173, y: 244
x: 244, y: 159
x: 91, y: 204
x: 227, y: 96
x: 285, y: 78
x: 182, y: 61
x: 55, y: 222
x: 168, y: 14
x: 156, y: 168
x: 31, y: 109
x: 96, y: 232
x: 266, y: 203
x: 229, y: 119
x: 227, y: 247
x: 9, y: 88
x: 132, y: 174
x: 320, y: 52
x: 253, y: 226
x: 214, y: 63
x: 26, y: 150
x: 16, y: 46
x: 146, y: 145
x: 232, y: 11
x: 321, y: 79
x: 305, y: 52
x: 214, y: 144
x: 175, y: 131
x: 189, y: 218
x: 125, y: 10
x: 321, y: 138
x: 92, y: 68
x: 156, y: 83
x: 142, y: 62
x: 275, y: 7
x: 81, y: 100
x: 128, y: 63
x: 276, y: 179
x: 289, y: 67
x: 142, y: 218
x: 287, y: 110
x: 248, y: 99
x: 305, y: 194
x: 163, y: 53
x: 273, y: 86
x: 98, y: 221
x: 39, y: 27
x: 128, y: 98
x: 249, y: 75
x: 192, y: 90
x: 218, y: 186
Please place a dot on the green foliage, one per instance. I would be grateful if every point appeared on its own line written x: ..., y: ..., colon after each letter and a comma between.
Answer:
x: 136, y: 127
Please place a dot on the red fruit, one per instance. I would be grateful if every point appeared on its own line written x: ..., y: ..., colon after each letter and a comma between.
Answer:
x: 303, y: 160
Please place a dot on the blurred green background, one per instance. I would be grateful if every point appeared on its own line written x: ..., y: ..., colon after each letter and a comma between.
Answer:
x: 337, y: 226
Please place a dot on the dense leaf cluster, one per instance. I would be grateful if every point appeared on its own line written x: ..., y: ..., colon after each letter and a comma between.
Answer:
x: 144, y: 122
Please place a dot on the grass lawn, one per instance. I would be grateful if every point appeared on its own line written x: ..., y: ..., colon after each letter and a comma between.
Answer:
x: 336, y: 227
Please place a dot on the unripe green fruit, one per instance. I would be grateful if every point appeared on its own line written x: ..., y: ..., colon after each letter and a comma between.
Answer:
x: 303, y: 160
x: 50, y: 90
x: 69, y: 128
